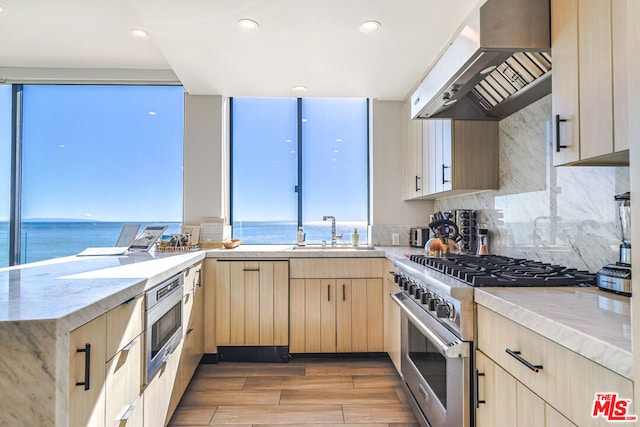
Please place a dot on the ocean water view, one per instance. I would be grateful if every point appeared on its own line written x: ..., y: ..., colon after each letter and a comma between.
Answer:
x: 41, y: 240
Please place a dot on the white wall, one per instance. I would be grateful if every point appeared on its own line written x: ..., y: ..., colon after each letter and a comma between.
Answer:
x: 206, y: 161
x: 388, y: 207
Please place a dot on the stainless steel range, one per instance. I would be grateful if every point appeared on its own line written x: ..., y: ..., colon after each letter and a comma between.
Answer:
x: 438, y: 333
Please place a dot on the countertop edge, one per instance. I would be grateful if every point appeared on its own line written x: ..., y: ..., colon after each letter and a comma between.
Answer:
x: 605, y: 354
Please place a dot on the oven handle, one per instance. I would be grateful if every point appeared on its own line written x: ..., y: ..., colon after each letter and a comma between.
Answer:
x: 448, y: 344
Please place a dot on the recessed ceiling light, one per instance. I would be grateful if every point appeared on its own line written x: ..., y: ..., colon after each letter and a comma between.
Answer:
x: 249, y: 25
x: 299, y: 88
x: 370, y: 26
x: 139, y: 33
x: 1, y: 9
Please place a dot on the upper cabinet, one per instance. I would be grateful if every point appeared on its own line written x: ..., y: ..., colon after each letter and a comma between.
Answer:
x: 590, y: 82
x: 445, y: 157
x: 412, y: 178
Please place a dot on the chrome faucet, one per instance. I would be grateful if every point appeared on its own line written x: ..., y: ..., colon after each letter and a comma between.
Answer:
x: 334, y: 236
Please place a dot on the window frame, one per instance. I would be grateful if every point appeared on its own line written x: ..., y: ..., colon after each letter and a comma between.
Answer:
x: 16, y: 158
x: 299, y: 188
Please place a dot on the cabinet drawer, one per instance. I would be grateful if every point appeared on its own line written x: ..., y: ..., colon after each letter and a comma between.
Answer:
x: 123, y: 384
x: 335, y: 268
x: 566, y: 380
x: 124, y: 323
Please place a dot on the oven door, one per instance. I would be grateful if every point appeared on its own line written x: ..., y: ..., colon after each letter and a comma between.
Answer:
x: 164, y: 330
x: 436, y: 366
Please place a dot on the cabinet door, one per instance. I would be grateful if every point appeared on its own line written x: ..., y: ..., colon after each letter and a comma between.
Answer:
x: 161, y: 396
x: 531, y: 408
x: 413, y: 178
x: 313, y: 316
x: 87, y: 359
x: 123, y: 384
x: 596, y: 97
x: 359, y: 326
x: 496, y: 394
x: 446, y: 166
x: 251, y: 303
x: 391, y: 320
x: 565, y: 87
x: 620, y: 52
x: 193, y: 347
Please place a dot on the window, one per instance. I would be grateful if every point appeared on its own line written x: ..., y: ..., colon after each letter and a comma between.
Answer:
x: 93, y: 158
x: 5, y: 171
x: 316, y: 146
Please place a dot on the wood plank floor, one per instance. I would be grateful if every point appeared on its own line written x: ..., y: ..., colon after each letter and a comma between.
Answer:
x: 307, y: 391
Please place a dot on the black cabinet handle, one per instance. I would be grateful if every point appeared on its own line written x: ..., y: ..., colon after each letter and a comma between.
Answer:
x: 328, y: 292
x: 558, y: 121
x: 250, y: 269
x: 344, y: 293
x: 444, y: 181
x: 417, y: 178
x: 198, y: 278
x: 478, y: 401
x: 516, y: 354
x: 87, y: 365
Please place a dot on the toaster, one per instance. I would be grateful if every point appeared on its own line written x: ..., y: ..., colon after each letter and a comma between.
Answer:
x: 418, y: 237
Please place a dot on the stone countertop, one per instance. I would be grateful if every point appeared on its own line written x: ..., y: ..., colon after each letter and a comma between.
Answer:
x: 75, y: 290
x: 588, y: 321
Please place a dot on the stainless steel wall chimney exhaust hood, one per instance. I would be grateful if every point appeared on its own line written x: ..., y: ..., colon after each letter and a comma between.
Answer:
x: 498, y: 63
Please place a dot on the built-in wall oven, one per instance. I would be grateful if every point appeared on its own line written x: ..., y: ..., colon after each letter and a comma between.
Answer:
x: 163, y: 322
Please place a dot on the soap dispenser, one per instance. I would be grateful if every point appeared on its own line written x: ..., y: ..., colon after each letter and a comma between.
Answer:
x: 355, y: 237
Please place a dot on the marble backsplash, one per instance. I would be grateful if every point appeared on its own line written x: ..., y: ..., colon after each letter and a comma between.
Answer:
x: 565, y: 215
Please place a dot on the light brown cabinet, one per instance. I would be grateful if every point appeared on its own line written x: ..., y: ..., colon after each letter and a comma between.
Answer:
x: 123, y: 383
x: 505, y: 402
x: 412, y: 146
x: 340, y: 312
x: 193, y: 321
x: 444, y: 157
x: 251, y: 301
x: 562, y: 370
x: 336, y: 315
x: 391, y: 316
x: 87, y: 364
x: 590, y: 82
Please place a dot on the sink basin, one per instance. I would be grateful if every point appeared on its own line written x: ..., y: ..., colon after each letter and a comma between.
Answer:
x: 333, y: 248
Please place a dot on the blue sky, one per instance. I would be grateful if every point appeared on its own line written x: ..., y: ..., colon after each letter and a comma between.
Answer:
x: 102, y: 153
x: 265, y: 151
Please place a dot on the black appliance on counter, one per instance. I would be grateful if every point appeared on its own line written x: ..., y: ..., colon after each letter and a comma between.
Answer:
x: 418, y: 237
x: 438, y: 331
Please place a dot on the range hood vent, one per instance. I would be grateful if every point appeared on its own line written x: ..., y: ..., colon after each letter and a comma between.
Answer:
x: 498, y: 63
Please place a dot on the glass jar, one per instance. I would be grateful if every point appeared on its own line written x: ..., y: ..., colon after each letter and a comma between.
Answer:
x: 483, y: 241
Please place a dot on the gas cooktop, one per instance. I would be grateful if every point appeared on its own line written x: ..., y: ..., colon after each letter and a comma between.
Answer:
x: 496, y: 270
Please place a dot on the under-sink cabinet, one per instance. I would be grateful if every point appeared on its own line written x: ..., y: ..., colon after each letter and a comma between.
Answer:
x: 336, y: 305
x: 522, y: 376
x: 251, y: 303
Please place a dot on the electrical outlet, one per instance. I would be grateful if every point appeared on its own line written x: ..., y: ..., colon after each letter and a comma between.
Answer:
x: 395, y: 239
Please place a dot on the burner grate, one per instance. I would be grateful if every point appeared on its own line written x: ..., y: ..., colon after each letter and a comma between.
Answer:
x: 496, y: 270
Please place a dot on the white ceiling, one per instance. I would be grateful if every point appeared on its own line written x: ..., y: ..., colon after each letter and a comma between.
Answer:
x: 315, y: 43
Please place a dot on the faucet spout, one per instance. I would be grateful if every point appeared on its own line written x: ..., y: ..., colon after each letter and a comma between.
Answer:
x: 334, y: 236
